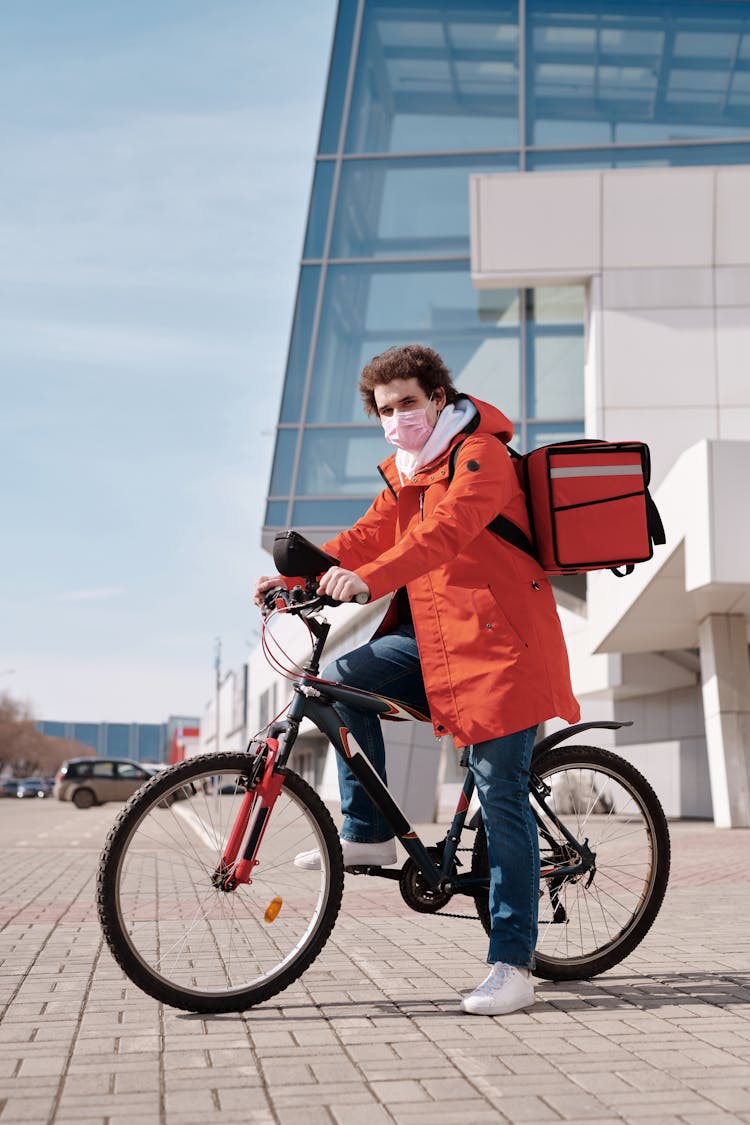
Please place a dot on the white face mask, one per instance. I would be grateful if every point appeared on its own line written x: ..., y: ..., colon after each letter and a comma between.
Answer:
x: 409, y: 429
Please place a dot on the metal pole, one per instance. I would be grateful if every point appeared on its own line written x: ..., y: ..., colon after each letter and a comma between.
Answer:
x: 217, y: 666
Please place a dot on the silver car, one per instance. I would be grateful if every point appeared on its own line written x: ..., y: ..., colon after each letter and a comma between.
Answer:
x: 92, y: 781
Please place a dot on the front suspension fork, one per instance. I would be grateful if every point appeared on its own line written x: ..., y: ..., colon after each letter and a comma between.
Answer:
x: 250, y: 824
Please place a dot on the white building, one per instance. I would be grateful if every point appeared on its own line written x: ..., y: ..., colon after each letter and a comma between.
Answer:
x: 664, y: 255
x: 555, y: 197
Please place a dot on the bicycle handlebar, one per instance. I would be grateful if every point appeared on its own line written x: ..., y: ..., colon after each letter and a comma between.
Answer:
x: 299, y: 600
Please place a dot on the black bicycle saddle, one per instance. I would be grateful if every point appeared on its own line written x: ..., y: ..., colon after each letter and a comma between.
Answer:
x: 296, y: 557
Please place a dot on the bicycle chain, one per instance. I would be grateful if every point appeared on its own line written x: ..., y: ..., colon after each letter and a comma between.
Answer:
x: 447, y: 913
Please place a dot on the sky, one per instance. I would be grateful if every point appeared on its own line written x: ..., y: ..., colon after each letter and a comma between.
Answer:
x: 155, y: 175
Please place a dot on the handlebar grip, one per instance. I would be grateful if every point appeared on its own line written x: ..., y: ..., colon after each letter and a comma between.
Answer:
x: 361, y: 599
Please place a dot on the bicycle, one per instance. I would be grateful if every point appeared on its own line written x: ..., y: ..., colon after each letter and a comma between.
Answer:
x: 203, y: 908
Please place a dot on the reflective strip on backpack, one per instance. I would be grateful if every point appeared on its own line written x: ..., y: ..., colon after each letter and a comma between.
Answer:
x: 599, y: 471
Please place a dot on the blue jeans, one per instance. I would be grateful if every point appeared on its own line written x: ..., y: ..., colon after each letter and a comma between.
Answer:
x: 389, y: 666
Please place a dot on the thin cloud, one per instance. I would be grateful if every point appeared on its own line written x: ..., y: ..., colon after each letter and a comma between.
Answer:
x: 94, y: 594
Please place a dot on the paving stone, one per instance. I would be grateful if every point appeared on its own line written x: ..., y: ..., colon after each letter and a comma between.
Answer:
x: 366, y: 1115
x: 400, y: 1091
x: 372, y: 1033
x: 737, y: 1098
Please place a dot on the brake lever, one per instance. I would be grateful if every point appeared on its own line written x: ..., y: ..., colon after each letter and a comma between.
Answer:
x: 271, y: 600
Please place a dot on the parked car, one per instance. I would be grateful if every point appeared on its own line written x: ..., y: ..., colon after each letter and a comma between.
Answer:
x: 92, y: 781
x: 8, y: 787
x: 33, y: 787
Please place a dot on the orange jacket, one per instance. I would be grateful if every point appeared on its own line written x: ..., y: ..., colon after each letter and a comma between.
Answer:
x: 490, y: 642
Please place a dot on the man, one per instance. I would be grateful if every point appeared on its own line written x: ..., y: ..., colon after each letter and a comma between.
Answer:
x: 471, y: 637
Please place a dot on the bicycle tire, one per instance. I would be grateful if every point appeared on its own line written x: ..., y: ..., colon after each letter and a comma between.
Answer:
x: 185, y: 941
x: 587, y: 927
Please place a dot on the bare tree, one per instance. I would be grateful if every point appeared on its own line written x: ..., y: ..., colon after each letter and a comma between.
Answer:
x: 24, y: 750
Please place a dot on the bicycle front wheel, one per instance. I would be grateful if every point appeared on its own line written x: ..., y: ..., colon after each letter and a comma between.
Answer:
x: 591, y: 921
x: 183, y: 939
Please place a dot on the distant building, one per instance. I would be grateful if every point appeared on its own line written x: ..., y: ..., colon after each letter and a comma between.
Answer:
x: 183, y: 738
x: 231, y: 724
x: 554, y: 195
x: 143, y: 742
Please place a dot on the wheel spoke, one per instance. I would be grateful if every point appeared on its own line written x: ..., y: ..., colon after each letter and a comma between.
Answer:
x: 590, y: 920
x: 190, y: 942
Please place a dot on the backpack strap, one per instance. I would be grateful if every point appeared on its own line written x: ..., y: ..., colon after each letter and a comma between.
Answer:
x: 500, y: 525
x: 655, y: 526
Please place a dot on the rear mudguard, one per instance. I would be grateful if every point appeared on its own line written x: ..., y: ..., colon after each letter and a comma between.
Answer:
x: 553, y: 740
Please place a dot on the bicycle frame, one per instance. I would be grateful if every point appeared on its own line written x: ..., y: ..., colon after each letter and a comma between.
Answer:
x: 315, y: 701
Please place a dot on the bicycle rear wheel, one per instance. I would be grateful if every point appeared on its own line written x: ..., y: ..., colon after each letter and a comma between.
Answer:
x: 592, y: 921
x: 184, y: 940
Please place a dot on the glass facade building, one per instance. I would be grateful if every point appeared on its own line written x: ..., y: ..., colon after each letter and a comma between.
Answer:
x: 144, y: 742
x: 420, y: 95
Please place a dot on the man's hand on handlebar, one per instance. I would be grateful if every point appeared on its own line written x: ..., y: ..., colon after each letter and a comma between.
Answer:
x: 343, y: 586
x: 336, y: 584
x: 263, y: 585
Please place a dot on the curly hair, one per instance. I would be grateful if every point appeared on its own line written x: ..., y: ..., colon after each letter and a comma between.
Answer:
x: 407, y: 362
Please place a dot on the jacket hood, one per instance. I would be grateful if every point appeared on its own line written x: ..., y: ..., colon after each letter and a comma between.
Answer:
x: 487, y: 420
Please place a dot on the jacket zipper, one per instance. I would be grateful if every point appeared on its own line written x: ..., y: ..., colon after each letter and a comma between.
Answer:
x: 421, y: 504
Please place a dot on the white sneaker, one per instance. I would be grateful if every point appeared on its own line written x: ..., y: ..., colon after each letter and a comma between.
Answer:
x: 355, y: 855
x: 507, y: 988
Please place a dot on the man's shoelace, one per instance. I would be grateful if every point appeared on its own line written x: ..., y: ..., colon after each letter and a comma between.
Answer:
x: 494, y: 981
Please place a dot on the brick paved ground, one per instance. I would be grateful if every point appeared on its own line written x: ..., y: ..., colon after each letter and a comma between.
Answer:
x: 372, y: 1034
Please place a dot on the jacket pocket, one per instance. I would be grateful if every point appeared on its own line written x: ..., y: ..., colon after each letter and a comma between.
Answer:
x: 493, y: 616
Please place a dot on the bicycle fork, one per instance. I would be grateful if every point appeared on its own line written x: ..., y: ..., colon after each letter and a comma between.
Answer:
x: 250, y: 825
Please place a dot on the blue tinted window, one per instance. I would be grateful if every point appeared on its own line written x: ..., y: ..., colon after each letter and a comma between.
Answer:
x: 368, y: 308
x: 342, y: 460
x: 554, y: 379
x: 554, y: 352
x: 657, y: 157
x: 320, y: 203
x: 283, y: 462
x: 407, y: 207
x: 436, y: 77
x: 299, y: 345
x: 337, y: 77
x: 599, y: 73
x: 333, y: 514
x: 276, y: 513
x: 548, y: 433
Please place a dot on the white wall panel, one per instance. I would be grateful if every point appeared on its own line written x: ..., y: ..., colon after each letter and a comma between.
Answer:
x: 730, y: 468
x: 734, y: 423
x: 564, y: 231
x: 732, y: 285
x: 685, y: 711
x: 593, y: 365
x: 668, y: 431
x: 733, y: 356
x: 650, y: 218
x: 658, y: 288
x: 659, y: 358
x: 732, y: 216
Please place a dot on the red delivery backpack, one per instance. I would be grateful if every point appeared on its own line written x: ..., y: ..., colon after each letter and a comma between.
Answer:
x: 588, y: 504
